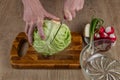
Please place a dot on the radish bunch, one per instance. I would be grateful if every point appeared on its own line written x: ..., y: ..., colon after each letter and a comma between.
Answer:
x: 105, y: 33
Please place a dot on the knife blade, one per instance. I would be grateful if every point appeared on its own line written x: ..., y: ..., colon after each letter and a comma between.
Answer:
x: 57, y: 30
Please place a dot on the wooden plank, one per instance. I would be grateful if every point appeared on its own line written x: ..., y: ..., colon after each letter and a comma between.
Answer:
x: 69, y: 58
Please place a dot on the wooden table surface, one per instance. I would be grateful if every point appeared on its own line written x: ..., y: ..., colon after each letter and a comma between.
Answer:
x: 11, y: 24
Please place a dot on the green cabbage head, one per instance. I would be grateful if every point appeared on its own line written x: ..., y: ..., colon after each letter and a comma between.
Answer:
x: 47, y: 46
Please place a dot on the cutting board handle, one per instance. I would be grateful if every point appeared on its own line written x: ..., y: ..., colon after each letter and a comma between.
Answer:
x: 18, y: 45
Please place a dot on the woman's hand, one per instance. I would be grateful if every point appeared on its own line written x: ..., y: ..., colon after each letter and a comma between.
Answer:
x: 71, y: 7
x: 34, y: 15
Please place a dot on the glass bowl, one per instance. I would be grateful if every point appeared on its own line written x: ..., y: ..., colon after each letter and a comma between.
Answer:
x: 100, y: 65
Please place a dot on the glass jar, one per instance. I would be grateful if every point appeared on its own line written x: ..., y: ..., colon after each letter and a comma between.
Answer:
x: 100, y: 65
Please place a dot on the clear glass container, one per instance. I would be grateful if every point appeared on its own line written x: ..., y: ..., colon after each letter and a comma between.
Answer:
x: 100, y: 65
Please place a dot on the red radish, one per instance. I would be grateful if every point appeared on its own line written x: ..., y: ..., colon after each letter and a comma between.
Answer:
x: 103, y: 35
x: 96, y: 36
x: 101, y: 30
x: 109, y: 30
x: 106, y: 33
x: 112, y: 37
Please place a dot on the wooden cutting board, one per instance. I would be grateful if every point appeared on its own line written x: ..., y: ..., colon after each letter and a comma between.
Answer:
x: 69, y: 58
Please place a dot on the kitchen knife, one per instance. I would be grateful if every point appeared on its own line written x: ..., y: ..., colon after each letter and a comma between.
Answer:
x: 57, y: 30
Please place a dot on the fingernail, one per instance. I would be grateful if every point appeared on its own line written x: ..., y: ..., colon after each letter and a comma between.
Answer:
x: 70, y: 19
